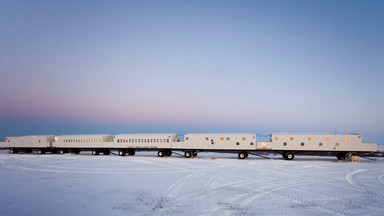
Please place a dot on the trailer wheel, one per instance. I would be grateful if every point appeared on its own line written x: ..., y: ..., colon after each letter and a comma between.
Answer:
x: 107, y: 152
x: 13, y: 151
x: 194, y: 154
x: 285, y: 155
x: 40, y: 152
x: 28, y: 151
x: 131, y: 152
x: 161, y: 153
x: 289, y: 156
x: 95, y: 152
x: 122, y: 153
x: 187, y: 154
x: 168, y: 153
x: 61, y: 152
x: 243, y: 155
x: 340, y: 156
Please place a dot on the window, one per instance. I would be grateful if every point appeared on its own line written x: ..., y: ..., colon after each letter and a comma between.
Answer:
x: 309, y: 138
x: 186, y: 138
x: 39, y: 141
x: 276, y: 138
x: 237, y: 143
x: 167, y: 140
x: 290, y: 138
x: 206, y: 138
x: 212, y: 142
x: 302, y: 144
x: 243, y: 138
x: 251, y: 143
x: 320, y: 144
x: 221, y: 138
x: 284, y: 144
x: 346, y: 138
x: 327, y: 138
x: 157, y: 140
x: 337, y: 144
x: 227, y: 138
x: 118, y: 140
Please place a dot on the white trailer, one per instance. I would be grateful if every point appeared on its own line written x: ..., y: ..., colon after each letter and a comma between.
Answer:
x: 76, y: 143
x: 238, y: 143
x: 28, y: 143
x: 290, y: 144
x: 129, y: 143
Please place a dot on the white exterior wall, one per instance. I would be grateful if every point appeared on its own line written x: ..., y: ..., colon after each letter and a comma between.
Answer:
x: 83, y: 141
x: 217, y: 142
x: 312, y: 143
x: 29, y: 141
x: 143, y: 141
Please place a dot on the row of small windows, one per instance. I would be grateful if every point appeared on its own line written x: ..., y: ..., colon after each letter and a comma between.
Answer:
x: 82, y: 141
x: 221, y: 138
x: 143, y: 140
x: 320, y: 144
x: 310, y: 138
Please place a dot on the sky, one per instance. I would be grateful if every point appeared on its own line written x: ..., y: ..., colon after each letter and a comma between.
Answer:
x: 74, y: 67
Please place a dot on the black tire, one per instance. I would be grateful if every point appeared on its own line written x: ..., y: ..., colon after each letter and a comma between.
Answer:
x: 28, y: 151
x: 161, y: 153
x: 76, y: 151
x: 61, y: 152
x: 188, y: 154
x: 13, y: 151
x: 40, y: 152
x: 107, y: 152
x: 340, y: 156
x: 289, y: 156
x: 243, y: 155
x: 285, y: 155
x: 122, y: 153
x: 95, y: 152
x: 131, y: 152
x: 168, y: 153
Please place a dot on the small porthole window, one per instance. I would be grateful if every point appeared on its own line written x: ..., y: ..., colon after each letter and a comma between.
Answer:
x: 320, y: 144
x: 284, y: 143
x: 251, y: 143
x: 227, y: 138
x: 237, y: 143
x: 206, y: 138
x: 186, y: 138
x: 302, y: 144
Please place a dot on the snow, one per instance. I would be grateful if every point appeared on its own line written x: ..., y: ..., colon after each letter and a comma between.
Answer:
x: 210, y: 184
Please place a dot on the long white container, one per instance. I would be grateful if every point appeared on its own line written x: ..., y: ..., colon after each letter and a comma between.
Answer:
x: 83, y: 141
x: 145, y: 141
x: 40, y: 141
x: 217, y: 142
x: 315, y: 142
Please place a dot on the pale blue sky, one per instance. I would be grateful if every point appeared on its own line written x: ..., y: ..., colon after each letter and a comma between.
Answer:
x: 192, y: 66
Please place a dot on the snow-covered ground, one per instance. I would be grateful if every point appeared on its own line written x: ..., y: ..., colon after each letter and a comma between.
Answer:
x: 211, y: 184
